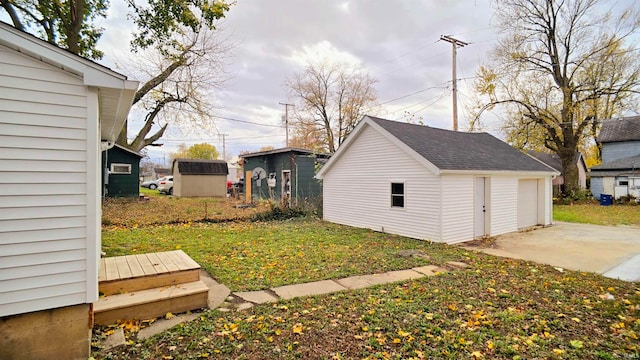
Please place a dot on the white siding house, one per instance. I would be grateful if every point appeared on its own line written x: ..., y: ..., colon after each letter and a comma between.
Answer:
x: 433, y: 184
x: 55, y: 108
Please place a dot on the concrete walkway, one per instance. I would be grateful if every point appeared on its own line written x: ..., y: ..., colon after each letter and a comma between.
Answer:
x: 331, y: 286
x: 222, y: 299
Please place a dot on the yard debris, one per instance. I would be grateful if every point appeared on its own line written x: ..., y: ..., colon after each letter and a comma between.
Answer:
x: 607, y: 296
x: 559, y: 269
x: 414, y: 253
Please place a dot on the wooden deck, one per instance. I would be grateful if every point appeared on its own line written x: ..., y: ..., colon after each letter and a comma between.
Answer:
x: 148, y: 285
x: 121, y: 274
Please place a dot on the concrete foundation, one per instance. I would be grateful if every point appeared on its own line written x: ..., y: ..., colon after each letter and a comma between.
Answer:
x: 63, y: 333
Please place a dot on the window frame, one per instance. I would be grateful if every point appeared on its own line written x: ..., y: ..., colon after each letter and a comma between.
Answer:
x: 113, y: 165
x: 402, y: 195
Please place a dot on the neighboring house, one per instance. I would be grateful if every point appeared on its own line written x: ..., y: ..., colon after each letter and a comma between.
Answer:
x: 554, y: 161
x: 200, y: 178
x: 619, y: 173
x: 121, y: 172
x: 434, y: 184
x: 160, y: 172
x: 235, y: 171
x: 285, y: 174
x: 55, y: 108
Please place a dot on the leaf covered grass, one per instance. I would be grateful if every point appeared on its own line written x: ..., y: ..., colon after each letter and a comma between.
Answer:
x: 259, y: 255
x: 593, y: 213
x: 162, y: 209
x: 496, y: 309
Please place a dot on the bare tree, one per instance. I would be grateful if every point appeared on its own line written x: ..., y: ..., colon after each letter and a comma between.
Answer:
x: 330, y: 100
x: 564, y: 66
x: 179, y: 85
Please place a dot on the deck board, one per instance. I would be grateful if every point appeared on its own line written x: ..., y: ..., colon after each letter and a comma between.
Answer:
x: 124, y: 272
x: 157, y: 263
x: 111, y: 269
x: 134, y: 265
x: 167, y: 260
x: 146, y: 265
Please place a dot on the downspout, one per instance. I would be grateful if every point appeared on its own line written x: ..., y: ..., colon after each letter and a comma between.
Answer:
x: 104, y: 146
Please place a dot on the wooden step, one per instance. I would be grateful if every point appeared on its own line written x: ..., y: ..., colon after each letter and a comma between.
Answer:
x: 130, y: 273
x: 150, y: 303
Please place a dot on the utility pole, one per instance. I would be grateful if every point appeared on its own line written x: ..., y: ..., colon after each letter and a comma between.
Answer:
x: 286, y: 121
x: 456, y: 44
x: 224, y: 146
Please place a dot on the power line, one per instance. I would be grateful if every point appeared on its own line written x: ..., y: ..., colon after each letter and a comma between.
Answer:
x: 245, y: 121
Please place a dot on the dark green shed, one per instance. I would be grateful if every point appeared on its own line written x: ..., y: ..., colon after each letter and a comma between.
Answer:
x: 120, y: 172
x: 286, y: 174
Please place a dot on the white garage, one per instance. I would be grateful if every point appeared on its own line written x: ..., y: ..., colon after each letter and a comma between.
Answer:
x: 435, y: 184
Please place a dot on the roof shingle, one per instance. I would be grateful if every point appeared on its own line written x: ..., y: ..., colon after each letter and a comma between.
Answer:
x: 202, y: 167
x: 452, y: 150
x: 625, y: 129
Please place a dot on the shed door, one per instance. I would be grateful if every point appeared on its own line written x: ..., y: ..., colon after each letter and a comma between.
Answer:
x: 480, y: 208
x: 527, y: 203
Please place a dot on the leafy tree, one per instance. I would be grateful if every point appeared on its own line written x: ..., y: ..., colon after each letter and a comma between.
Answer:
x: 563, y: 67
x: 202, y: 151
x: 67, y: 23
x: 330, y: 99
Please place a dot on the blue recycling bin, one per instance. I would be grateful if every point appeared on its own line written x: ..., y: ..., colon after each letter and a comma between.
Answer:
x: 606, y: 200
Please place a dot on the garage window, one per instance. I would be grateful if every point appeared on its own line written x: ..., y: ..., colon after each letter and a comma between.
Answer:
x: 397, y: 195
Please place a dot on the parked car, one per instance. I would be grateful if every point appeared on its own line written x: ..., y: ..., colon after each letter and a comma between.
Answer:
x: 166, y: 186
x: 153, y: 184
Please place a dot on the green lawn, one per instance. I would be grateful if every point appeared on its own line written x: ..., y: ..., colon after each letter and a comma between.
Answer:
x: 496, y: 309
x: 593, y: 213
x: 259, y: 255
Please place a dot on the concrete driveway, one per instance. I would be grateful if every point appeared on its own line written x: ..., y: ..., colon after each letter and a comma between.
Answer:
x: 613, y: 251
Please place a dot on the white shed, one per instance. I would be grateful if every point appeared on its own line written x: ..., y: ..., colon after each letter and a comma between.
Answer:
x: 55, y: 108
x: 434, y: 184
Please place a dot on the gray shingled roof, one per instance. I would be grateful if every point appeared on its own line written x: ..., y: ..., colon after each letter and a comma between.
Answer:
x: 620, y: 164
x: 452, y: 150
x: 552, y: 160
x: 625, y: 129
x: 202, y: 167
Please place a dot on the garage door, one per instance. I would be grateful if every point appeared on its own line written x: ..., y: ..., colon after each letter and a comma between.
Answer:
x: 527, y: 203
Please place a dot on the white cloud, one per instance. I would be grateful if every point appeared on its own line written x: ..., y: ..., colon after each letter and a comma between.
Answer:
x: 322, y: 52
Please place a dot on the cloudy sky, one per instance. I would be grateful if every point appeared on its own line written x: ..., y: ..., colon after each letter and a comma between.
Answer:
x: 396, y: 42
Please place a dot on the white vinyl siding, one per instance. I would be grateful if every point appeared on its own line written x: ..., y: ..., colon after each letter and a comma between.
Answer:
x: 357, y: 189
x: 457, y: 208
x: 527, y: 203
x: 44, y: 206
x: 504, y: 206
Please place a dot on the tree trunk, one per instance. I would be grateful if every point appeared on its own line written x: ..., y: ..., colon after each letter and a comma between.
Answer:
x: 569, y: 159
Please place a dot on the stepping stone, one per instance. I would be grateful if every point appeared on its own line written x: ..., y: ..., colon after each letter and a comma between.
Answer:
x: 162, y: 324
x: 458, y: 264
x: 244, y: 306
x: 429, y: 270
x: 313, y: 288
x: 115, y: 339
x: 362, y: 281
x: 256, y: 297
x: 218, y: 293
